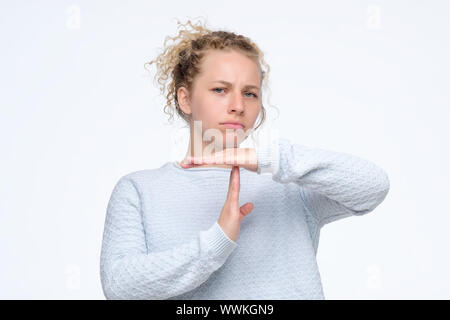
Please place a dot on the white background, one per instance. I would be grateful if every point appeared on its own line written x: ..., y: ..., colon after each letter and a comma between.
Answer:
x: 78, y: 111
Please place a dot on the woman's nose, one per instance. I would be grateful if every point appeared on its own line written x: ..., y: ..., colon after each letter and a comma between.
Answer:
x: 237, y: 104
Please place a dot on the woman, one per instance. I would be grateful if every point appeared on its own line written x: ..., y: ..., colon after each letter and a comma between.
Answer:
x: 178, y: 232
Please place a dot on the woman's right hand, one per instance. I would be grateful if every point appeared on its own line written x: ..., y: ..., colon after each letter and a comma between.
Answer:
x: 231, y: 214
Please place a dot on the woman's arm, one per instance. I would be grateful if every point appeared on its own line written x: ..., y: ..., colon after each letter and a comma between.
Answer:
x: 129, y: 271
x: 334, y: 184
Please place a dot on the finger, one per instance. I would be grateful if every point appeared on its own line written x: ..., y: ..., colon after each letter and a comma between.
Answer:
x: 247, y: 208
x: 195, y: 160
x: 234, y: 187
x: 196, y: 163
x: 204, y: 160
x: 190, y: 161
x: 230, y: 181
x: 187, y: 163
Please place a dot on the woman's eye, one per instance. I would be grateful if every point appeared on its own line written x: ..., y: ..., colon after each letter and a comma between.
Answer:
x: 251, y: 93
x: 218, y: 89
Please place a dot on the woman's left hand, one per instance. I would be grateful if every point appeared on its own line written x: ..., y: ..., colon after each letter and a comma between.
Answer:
x: 241, y: 157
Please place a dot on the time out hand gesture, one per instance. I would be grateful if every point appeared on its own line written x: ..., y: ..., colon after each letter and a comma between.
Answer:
x: 232, y: 214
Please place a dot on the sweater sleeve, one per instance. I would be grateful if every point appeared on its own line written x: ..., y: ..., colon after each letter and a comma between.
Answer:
x: 129, y: 271
x: 333, y: 185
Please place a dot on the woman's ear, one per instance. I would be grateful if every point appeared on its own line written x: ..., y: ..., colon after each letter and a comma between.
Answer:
x: 184, y: 100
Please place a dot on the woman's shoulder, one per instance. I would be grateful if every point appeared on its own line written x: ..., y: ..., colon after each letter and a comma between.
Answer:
x: 146, y: 175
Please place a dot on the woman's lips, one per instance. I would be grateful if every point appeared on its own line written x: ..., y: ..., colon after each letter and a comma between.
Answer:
x: 233, y: 125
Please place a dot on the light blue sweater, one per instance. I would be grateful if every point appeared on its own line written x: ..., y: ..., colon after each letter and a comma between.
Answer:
x: 161, y: 239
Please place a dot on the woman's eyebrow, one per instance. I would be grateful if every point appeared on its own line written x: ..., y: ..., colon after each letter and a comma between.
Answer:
x: 230, y: 85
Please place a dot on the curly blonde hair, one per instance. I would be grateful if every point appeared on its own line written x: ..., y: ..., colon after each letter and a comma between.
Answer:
x: 178, y: 64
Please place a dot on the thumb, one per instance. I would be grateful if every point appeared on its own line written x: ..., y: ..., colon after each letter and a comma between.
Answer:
x: 247, y: 208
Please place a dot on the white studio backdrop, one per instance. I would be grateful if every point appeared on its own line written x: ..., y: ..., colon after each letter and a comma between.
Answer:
x: 78, y: 111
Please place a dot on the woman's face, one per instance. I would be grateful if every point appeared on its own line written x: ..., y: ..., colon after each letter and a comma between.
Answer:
x: 228, y: 88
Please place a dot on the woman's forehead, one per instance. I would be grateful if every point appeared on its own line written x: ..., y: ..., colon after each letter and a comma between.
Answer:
x: 229, y: 67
